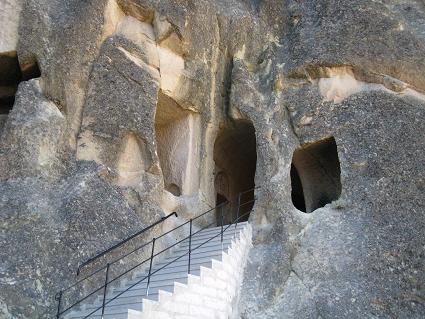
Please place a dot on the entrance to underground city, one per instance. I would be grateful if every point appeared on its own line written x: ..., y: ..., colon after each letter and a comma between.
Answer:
x: 235, y: 157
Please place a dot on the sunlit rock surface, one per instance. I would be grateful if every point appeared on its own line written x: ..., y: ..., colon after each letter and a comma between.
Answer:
x: 123, y: 111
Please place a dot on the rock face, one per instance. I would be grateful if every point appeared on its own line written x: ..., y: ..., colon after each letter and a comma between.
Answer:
x: 144, y: 107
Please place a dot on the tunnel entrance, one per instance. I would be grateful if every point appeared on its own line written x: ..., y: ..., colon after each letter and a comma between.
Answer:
x: 315, y: 175
x: 235, y: 157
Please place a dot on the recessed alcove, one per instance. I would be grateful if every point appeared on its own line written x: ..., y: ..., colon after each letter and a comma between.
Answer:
x: 315, y: 175
x: 177, y: 138
x: 173, y: 189
x: 235, y: 157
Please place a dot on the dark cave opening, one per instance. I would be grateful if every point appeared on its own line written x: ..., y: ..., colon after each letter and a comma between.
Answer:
x: 235, y: 157
x: 315, y: 175
x: 297, y: 193
x: 11, y: 75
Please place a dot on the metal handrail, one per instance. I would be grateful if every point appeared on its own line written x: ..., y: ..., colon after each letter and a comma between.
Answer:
x: 59, y: 296
x: 167, y: 264
x: 91, y: 259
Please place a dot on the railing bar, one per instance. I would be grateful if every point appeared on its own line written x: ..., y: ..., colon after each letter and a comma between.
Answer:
x: 169, y: 247
x: 93, y: 312
x: 222, y: 222
x: 170, y: 231
x: 238, y: 210
x: 81, y: 300
x: 207, y: 241
x: 112, y: 262
x: 190, y: 246
x: 129, y: 253
x: 104, y: 290
x: 248, y: 202
x: 227, y: 227
x: 150, y: 267
x: 203, y: 228
x: 208, y: 211
x: 180, y: 241
x: 127, y: 271
x: 85, y: 278
x: 59, y: 299
x: 250, y: 190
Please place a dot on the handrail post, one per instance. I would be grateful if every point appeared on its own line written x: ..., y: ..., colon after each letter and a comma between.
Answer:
x: 190, y: 245
x: 150, y: 267
x: 104, y: 289
x: 237, y: 211
x: 59, y: 299
x: 222, y: 222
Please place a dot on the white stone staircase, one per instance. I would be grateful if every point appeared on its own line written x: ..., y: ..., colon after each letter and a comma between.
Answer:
x: 209, y: 291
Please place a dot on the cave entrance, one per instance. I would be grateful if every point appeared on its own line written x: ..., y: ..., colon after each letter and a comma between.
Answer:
x: 177, y: 137
x: 235, y: 157
x: 315, y: 175
x: 10, y: 77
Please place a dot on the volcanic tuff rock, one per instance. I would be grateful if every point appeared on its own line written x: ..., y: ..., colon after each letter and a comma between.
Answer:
x: 120, y: 129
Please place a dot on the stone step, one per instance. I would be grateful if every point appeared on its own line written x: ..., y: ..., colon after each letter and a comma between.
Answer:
x: 217, y: 230
x: 183, y: 262
x: 205, y: 236
x: 120, y: 312
x: 206, y: 240
x: 141, y: 291
x: 212, y: 245
x: 167, y: 276
x: 200, y: 251
x: 170, y: 269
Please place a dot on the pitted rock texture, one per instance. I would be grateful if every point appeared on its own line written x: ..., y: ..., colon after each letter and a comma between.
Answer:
x: 121, y: 129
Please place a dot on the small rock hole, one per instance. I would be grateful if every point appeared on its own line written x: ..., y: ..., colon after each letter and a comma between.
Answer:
x: 315, y: 175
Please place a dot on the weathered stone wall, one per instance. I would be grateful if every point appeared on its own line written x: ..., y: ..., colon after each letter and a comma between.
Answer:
x: 81, y: 166
x: 9, y: 16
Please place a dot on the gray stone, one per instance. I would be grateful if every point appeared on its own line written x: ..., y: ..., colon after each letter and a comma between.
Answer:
x: 31, y: 137
x: 82, y: 164
x: 9, y: 16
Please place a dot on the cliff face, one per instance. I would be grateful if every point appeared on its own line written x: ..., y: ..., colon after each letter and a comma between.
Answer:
x: 115, y: 113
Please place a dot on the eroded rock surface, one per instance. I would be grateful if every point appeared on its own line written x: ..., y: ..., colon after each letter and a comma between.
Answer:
x: 125, y: 123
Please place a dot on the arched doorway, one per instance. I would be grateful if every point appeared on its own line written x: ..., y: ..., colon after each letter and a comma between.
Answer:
x: 235, y: 157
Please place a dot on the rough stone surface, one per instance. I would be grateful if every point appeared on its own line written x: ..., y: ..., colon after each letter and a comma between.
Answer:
x: 9, y: 16
x: 82, y: 165
x: 30, y: 143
